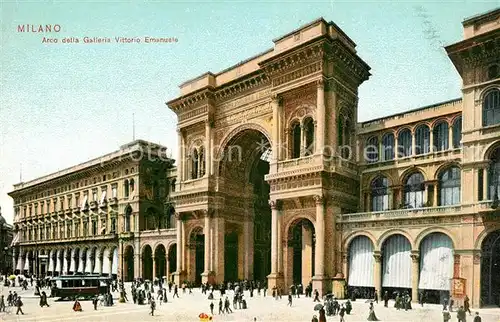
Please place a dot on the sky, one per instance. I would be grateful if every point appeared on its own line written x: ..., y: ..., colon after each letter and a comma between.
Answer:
x: 63, y: 104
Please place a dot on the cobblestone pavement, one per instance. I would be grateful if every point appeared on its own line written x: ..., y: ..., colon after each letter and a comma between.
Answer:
x: 189, y: 306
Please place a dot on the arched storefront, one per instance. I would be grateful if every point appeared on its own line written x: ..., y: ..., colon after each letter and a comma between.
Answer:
x: 490, y: 270
x: 396, y: 265
x: 361, y: 266
x: 436, y: 267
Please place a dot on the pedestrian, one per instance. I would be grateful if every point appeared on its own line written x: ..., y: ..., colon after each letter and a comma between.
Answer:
x: 322, y: 315
x: 477, y: 318
x: 2, y: 304
x: 314, y: 319
x: 386, y: 299
x: 371, y: 314
x: 43, y: 300
x: 221, y: 311
x: 375, y: 297
x: 19, y: 304
x: 176, y: 291
x: 316, y: 296
x: 446, y: 316
x: 95, y: 300
x: 212, y: 308
x: 467, y: 305
x: 460, y: 314
x: 342, y: 313
x: 290, y: 299
x: 152, y: 306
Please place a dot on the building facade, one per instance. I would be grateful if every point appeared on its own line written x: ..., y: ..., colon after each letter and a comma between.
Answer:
x: 6, y: 235
x: 278, y: 181
x: 108, y: 215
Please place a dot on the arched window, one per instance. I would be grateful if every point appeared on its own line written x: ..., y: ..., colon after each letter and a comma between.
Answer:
x: 194, y: 162
x: 422, y: 138
x: 457, y: 133
x: 449, y: 187
x: 491, y: 107
x: 404, y: 142
x: 380, y: 194
x: 371, y: 149
x: 309, y: 133
x: 201, y: 162
x: 494, y: 175
x: 441, y: 136
x: 128, y: 214
x: 414, y: 191
x: 132, y: 185
x: 126, y: 188
x: 296, y: 136
x: 388, y: 147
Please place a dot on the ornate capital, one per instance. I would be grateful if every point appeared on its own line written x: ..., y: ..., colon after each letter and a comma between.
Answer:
x: 415, y: 256
x: 179, y: 216
x: 276, y: 99
x: 320, y: 83
x: 275, y: 204
x: 319, y: 199
x: 345, y: 257
x: 477, y: 258
x: 208, y: 213
x: 378, y: 256
x: 456, y: 259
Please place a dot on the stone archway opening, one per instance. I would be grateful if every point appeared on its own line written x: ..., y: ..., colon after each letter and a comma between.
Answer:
x: 247, y: 239
x: 490, y: 266
x: 160, y: 261
x: 301, y: 252
x: 172, y: 260
x: 147, y: 263
x: 361, y: 263
x: 129, y: 263
x: 197, y: 254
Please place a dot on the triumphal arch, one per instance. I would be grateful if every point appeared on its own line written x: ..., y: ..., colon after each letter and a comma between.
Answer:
x: 266, y: 162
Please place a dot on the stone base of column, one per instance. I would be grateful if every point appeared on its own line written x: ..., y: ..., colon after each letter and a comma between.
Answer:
x: 208, y: 277
x: 179, y: 277
x: 323, y: 284
x: 276, y: 280
x: 338, y: 288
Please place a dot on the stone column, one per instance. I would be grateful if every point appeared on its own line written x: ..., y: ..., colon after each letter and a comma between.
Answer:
x: 377, y: 273
x: 275, y: 279
x: 320, y: 117
x: 476, y: 287
x: 275, y: 133
x: 208, y: 151
x: 431, y: 143
x: 303, y: 145
x: 415, y: 272
x: 206, y: 233
x: 180, y: 155
x: 485, y: 184
x: 413, y: 140
x: 179, y: 274
x: 154, y: 265
x: 219, y: 248
x: 319, y: 280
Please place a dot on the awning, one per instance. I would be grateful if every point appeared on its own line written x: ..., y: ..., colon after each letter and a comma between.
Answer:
x: 84, y: 202
x: 103, y: 197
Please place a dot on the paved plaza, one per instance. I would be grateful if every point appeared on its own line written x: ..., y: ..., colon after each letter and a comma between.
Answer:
x: 189, y: 306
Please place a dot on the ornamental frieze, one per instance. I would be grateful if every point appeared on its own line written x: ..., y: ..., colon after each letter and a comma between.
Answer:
x: 343, y: 93
x: 223, y: 109
x: 193, y: 113
x: 244, y: 115
x: 299, y: 73
x: 400, y: 222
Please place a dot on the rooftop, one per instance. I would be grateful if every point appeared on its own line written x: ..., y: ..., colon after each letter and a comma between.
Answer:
x: 128, y: 148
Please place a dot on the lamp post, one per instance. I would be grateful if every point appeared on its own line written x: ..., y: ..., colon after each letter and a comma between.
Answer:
x: 122, y: 286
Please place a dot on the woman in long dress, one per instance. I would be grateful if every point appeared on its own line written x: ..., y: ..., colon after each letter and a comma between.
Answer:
x: 77, y: 306
x: 371, y: 315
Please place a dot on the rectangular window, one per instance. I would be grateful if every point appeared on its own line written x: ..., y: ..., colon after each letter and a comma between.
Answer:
x: 36, y: 209
x: 77, y: 230
x: 114, y: 191
x: 85, y: 228
x: 94, y: 195
x: 42, y: 208
x: 30, y: 212
x: 68, y: 230
x: 61, y: 204
x: 103, y: 195
x: 77, y: 200
x: 94, y: 227
x: 69, y: 199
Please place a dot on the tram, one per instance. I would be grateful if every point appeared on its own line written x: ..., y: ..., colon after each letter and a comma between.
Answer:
x: 79, y: 286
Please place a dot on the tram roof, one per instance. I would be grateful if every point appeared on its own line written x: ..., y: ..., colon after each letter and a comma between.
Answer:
x: 69, y: 277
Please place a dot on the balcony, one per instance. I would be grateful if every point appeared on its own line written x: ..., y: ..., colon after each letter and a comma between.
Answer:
x: 403, y: 213
x: 113, y: 201
x: 159, y: 232
x: 91, y: 238
x: 93, y: 205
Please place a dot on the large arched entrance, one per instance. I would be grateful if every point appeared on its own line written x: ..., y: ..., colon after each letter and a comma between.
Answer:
x: 247, y: 239
x: 172, y: 260
x: 147, y: 263
x: 197, y: 245
x: 300, y: 252
x: 490, y: 268
x: 129, y: 263
x: 160, y: 261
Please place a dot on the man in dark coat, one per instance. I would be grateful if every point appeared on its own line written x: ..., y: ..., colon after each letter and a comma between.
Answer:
x: 461, y: 314
x: 386, y: 299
